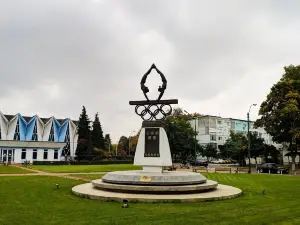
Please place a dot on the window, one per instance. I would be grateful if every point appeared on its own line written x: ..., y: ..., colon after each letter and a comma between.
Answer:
x: 51, y: 135
x: 220, y: 138
x: 55, y: 154
x: 213, y: 137
x: 34, y: 135
x: 23, y: 156
x: 219, y: 122
x: 17, y: 132
x: 206, y: 130
x: 34, y: 154
x: 0, y: 134
x: 233, y: 125
x: 45, y: 154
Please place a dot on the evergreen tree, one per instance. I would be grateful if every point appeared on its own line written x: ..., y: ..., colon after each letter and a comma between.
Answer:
x: 83, y: 131
x: 107, y: 142
x: 97, y: 134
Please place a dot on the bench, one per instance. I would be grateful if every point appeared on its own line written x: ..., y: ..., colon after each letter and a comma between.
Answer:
x: 227, y: 169
x: 199, y: 168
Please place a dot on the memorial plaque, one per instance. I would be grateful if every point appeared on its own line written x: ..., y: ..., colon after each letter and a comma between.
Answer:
x: 146, y: 179
x: 151, y: 142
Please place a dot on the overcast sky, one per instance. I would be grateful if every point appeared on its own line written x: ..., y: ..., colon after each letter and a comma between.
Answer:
x: 219, y: 57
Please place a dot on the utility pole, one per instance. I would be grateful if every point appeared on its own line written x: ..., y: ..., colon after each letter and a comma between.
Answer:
x: 249, y: 143
x: 249, y: 139
x: 195, y: 142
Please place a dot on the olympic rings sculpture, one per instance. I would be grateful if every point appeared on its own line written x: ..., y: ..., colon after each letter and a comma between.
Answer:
x: 153, y: 109
x: 158, y: 113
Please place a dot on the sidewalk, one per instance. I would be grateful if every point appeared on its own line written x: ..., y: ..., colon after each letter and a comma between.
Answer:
x: 43, y: 173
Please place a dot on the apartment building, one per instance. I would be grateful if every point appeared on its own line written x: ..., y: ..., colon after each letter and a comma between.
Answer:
x: 216, y: 130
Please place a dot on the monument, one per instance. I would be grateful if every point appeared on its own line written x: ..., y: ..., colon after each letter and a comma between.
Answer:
x: 153, y: 183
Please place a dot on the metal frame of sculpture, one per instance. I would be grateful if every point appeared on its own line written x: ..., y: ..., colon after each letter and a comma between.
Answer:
x: 157, y: 109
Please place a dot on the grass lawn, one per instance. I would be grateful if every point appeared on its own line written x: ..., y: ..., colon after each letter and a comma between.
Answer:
x: 89, y: 176
x: 12, y: 170
x: 35, y: 200
x: 84, y: 168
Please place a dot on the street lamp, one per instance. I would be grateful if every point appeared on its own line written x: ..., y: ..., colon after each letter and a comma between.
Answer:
x: 249, y: 139
x: 195, y: 118
x: 129, y: 142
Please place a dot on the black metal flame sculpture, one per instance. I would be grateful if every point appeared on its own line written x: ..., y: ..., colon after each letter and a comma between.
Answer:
x: 157, y: 109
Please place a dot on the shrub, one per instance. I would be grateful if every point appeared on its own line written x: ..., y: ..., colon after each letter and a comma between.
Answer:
x: 83, y: 162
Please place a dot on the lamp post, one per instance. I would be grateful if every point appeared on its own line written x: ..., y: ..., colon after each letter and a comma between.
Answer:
x: 129, y: 142
x: 195, y: 118
x: 249, y: 138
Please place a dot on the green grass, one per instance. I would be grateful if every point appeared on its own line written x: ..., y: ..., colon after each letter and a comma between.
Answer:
x: 84, y: 168
x: 89, y: 176
x: 35, y: 200
x: 12, y: 170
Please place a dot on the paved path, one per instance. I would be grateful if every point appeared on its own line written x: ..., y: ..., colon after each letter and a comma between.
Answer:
x: 70, y: 175
x: 43, y: 173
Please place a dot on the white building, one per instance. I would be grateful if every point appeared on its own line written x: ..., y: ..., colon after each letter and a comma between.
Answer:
x: 36, y: 139
x: 216, y: 130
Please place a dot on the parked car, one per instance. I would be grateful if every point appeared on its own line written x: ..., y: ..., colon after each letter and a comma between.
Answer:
x: 218, y: 161
x: 272, y: 167
x: 199, y: 163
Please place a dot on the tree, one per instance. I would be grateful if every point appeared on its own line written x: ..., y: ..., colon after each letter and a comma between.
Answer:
x: 181, y: 138
x: 270, y: 153
x: 123, y: 145
x: 257, y: 145
x: 236, y: 147
x: 107, y: 142
x: 83, y: 131
x: 178, y: 113
x: 97, y: 134
x: 210, y: 151
x: 133, y: 140
x: 280, y: 112
x: 113, y: 149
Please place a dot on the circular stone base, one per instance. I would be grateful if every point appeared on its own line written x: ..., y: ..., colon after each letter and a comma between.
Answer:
x: 167, y: 178
x: 222, y: 192
x: 208, y: 185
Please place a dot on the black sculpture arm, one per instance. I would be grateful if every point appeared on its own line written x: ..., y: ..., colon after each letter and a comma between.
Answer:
x: 161, y: 89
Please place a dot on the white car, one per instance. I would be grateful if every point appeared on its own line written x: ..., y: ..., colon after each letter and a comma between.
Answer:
x: 218, y: 161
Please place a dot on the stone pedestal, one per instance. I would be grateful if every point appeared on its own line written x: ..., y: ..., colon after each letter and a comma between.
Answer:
x: 153, y: 150
x: 153, y: 169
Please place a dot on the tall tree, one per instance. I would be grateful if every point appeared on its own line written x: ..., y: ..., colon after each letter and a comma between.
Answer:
x: 181, y: 138
x: 270, y: 153
x: 280, y: 112
x: 179, y: 113
x: 107, y: 142
x: 257, y: 145
x: 210, y: 151
x: 236, y: 147
x: 83, y: 131
x: 97, y: 134
x: 123, y: 145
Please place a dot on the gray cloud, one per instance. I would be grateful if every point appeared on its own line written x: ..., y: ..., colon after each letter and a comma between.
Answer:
x: 218, y: 57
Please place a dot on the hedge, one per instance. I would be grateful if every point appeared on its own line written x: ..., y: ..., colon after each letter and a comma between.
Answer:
x: 102, y: 162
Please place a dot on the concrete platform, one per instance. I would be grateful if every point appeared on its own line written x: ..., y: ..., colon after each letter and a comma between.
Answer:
x: 167, y: 178
x: 222, y: 192
x: 208, y: 185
